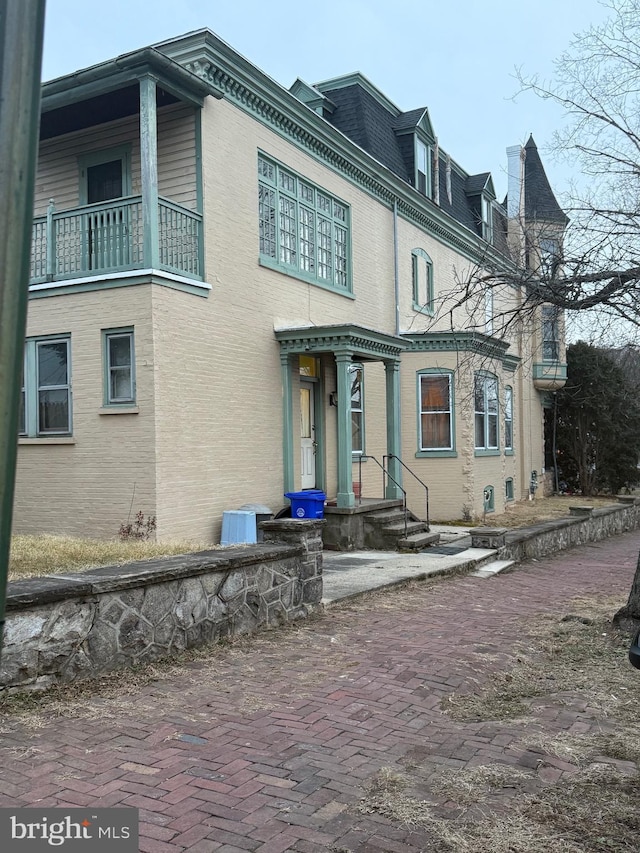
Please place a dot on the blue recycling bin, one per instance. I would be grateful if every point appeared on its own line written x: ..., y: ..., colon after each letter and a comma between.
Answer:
x: 307, y: 504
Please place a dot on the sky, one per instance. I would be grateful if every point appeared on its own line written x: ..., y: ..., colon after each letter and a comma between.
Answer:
x: 458, y: 58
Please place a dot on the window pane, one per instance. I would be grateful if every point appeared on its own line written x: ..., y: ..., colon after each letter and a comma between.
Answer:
x: 356, y: 388
x: 52, y: 364
x: 307, y: 240
x: 492, y: 395
x: 436, y: 431
x: 508, y: 434
x: 22, y: 427
x: 53, y: 411
x: 119, y: 350
x: 356, y: 432
x: 435, y: 393
x: 493, y: 431
x: 479, y: 430
x: 267, y: 220
x: 120, y: 387
x: 104, y: 181
x: 288, y: 254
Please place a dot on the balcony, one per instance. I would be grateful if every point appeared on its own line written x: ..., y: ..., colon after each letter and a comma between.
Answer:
x: 100, y: 239
x: 549, y: 375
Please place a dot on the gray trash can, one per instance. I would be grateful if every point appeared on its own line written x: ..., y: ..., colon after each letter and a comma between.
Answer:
x: 262, y: 513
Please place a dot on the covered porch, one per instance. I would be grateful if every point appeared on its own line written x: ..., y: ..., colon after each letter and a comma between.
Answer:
x: 117, y: 224
x: 347, y: 344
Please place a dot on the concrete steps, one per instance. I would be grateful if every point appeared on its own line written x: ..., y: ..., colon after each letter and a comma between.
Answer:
x: 488, y: 570
x: 386, y: 530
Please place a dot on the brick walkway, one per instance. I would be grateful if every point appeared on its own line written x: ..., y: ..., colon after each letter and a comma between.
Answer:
x: 267, y: 745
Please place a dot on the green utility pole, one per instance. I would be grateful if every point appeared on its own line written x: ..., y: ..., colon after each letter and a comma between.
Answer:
x: 21, y: 35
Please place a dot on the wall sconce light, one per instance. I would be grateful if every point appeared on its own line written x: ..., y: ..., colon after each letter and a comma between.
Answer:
x: 333, y: 398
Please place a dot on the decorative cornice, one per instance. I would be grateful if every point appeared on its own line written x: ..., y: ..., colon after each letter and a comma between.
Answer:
x: 248, y: 88
x: 345, y: 339
x: 473, y: 342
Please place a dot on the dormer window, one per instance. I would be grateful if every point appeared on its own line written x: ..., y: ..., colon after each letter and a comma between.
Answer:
x: 487, y: 219
x: 423, y: 170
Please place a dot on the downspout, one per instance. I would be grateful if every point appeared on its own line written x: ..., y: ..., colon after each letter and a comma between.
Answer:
x: 396, y: 275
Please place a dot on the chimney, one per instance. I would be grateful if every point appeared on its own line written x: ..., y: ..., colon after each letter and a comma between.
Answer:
x: 515, y: 202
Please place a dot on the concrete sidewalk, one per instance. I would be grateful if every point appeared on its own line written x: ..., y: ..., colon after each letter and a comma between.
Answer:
x: 269, y: 744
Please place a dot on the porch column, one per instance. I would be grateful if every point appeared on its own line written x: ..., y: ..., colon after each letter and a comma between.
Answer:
x: 149, y: 170
x: 345, y: 495
x: 392, y: 378
x: 287, y: 424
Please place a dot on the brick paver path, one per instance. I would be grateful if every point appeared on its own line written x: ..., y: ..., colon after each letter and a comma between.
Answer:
x: 267, y: 745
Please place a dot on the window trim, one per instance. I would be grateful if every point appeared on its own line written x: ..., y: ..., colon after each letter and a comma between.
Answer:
x: 31, y: 389
x: 436, y: 452
x: 508, y: 419
x: 97, y: 158
x: 488, y: 310
x: 420, y: 145
x: 488, y: 499
x: 339, y: 227
x: 486, y: 449
x: 554, y: 324
x: 418, y: 256
x: 486, y: 218
x: 352, y: 369
x: 107, y: 335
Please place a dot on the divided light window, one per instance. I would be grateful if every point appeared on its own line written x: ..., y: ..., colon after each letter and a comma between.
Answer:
x: 435, y: 412
x: 303, y: 229
x: 45, y: 401
x: 486, y: 412
x: 119, y: 363
x: 550, y: 333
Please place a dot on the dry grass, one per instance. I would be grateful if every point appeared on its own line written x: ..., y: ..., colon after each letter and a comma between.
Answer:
x: 579, y: 653
x: 43, y: 555
x: 505, y: 809
x: 525, y: 513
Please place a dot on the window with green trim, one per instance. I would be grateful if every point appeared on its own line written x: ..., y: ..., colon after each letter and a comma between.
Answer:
x: 422, y: 281
x: 436, y: 411
x: 303, y: 229
x: 508, y: 489
x: 488, y: 310
x: 508, y: 418
x: 356, y: 372
x: 489, y: 502
x: 487, y: 219
x: 45, y: 400
x: 119, y: 361
x: 486, y: 411
x: 423, y: 168
x: 550, y: 333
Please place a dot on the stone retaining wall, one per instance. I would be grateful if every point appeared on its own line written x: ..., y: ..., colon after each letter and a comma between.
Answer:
x: 549, y: 537
x: 65, y: 627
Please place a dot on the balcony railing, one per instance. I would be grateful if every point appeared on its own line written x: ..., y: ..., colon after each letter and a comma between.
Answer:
x: 98, y: 239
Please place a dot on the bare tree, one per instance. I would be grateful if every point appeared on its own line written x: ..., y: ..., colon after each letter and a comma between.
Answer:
x: 587, y: 267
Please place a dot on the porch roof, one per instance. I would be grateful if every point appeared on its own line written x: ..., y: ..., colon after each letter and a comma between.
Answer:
x: 110, y: 91
x: 361, y: 343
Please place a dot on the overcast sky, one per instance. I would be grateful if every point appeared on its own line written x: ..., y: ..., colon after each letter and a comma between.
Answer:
x: 456, y: 57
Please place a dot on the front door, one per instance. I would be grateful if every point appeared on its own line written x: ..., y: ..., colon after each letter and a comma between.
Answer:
x: 307, y: 437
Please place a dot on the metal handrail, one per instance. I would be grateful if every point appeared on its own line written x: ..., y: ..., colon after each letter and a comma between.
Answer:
x: 385, y: 476
x: 414, y: 475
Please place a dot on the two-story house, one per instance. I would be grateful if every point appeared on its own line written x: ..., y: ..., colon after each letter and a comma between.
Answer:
x: 239, y: 290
